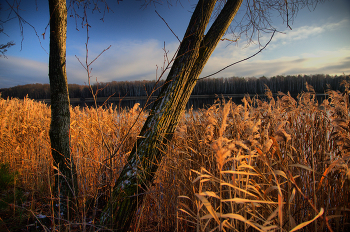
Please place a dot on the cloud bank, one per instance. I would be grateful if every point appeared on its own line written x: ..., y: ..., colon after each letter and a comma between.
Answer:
x: 139, y: 60
x: 19, y: 71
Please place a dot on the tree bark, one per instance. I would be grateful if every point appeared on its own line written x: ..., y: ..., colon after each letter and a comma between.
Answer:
x: 65, y: 174
x: 159, y: 127
x: 209, y: 43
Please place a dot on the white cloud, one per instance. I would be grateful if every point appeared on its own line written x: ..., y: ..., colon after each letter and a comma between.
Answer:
x: 19, y: 71
x: 128, y: 60
x: 330, y: 60
x: 137, y: 60
x: 338, y: 25
x: 303, y: 33
x: 325, y: 62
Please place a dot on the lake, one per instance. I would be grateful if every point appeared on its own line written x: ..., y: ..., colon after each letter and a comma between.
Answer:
x: 196, y: 101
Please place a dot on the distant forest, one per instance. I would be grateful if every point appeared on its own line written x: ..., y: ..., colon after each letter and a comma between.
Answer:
x: 209, y: 86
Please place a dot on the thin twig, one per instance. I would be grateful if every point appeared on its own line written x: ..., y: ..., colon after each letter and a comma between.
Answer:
x: 241, y: 60
x: 168, y: 27
x: 21, y: 27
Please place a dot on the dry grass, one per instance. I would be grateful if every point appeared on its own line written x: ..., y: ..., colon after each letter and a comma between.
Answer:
x: 263, y: 165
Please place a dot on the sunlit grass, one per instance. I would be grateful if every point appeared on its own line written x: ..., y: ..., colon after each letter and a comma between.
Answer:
x: 263, y: 165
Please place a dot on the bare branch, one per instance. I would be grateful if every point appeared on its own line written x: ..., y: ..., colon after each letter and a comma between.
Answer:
x: 168, y: 26
x: 240, y: 60
x: 21, y: 21
x: 255, y: 17
x: 3, y: 48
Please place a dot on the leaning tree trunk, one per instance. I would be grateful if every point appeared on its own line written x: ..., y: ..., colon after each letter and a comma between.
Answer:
x: 65, y: 175
x: 159, y: 127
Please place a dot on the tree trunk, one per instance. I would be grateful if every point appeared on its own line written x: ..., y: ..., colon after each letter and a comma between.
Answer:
x: 159, y: 127
x: 65, y: 175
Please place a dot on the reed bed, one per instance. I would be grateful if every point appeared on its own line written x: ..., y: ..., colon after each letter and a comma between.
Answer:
x: 274, y: 164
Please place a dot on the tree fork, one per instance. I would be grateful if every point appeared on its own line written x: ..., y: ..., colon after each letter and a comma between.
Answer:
x: 210, y: 41
x: 159, y: 127
x: 142, y: 161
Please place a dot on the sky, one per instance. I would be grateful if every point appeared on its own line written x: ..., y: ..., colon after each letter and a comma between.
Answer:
x: 317, y: 44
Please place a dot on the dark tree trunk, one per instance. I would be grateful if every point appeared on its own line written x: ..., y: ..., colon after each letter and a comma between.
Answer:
x: 159, y: 127
x: 65, y: 175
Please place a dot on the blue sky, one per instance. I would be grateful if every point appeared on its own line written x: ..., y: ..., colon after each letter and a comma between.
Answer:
x: 318, y: 43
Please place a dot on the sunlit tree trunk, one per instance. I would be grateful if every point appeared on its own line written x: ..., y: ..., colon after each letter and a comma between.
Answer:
x: 159, y: 127
x: 210, y: 41
x: 65, y: 176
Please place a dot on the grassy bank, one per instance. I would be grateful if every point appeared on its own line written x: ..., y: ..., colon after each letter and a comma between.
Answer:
x: 261, y: 165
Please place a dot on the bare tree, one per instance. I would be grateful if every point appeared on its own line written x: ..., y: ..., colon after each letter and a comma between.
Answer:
x: 64, y: 168
x: 194, y: 51
x: 142, y: 163
x: 65, y: 172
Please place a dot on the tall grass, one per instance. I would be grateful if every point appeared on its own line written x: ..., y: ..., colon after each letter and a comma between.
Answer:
x: 268, y: 165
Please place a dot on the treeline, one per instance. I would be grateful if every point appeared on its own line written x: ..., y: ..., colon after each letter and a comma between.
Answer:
x: 209, y: 86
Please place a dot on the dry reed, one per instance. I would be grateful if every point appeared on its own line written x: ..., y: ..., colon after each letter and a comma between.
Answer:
x: 266, y: 165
